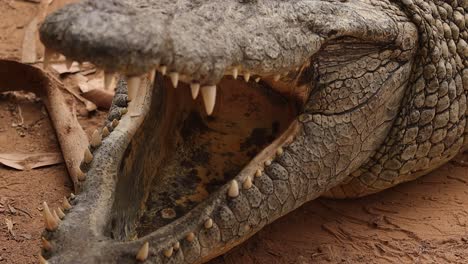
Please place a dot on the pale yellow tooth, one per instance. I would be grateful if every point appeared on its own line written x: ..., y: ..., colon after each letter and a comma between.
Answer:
x: 247, y: 183
x: 105, y: 132
x: 163, y: 69
x: 190, y: 237
x: 174, y: 78
x: 96, y: 139
x: 235, y: 72
x: 277, y: 77
x: 57, y: 218
x: 195, y: 88
x: 68, y: 63
x: 209, y: 97
x: 72, y: 196
x: 88, y: 156
x: 258, y: 173
x: 143, y: 252
x: 257, y: 79
x: 48, y: 55
x: 108, y: 79
x: 152, y: 75
x: 267, y: 163
x: 46, y: 244
x: 60, y: 213
x: 133, y: 83
x: 50, y: 222
x: 176, y: 245
x: 80, y: 174
x: 66, y: 205
x: 233, y: 190
x: 115, y: 123
x: 279, y: 151
x: 168, y: 252
x: 208, y: 223
x: 42, y: 260
x: 247, y: 76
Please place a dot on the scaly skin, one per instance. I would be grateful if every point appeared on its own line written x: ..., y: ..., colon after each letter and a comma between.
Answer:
x: 381, y: 90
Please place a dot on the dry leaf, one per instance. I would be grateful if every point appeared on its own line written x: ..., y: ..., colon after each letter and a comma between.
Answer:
x: 61, y: 67
x: 24, y: 161
x: 9, y: 225
x: 96, y: 83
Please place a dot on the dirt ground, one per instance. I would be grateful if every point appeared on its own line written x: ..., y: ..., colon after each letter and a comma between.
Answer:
x: 425, y: 221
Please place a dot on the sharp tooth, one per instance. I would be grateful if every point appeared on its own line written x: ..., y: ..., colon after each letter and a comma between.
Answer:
x: 96, y: 139
x: 195, y: 88
x: 115, y: 123
x: 57, y: 218
x: 277, y: 77
x: 105, y: 132
x: 176, y: 245
x: 174, y: 78
x: 258, y: 173
x: 168, y: 252
x: 88, y: 156
x: 233, y: 190
x: 247, y: 183
x: 50, y: 222
x: 48, y: 55
x: 123, y: 111
x: 208, y: 223
x: 143, y: 252
x: 66, y: 205
x: 190, y: 237
x: 108, y: 79
x: 257, y: 79
x: 72, y: 196
x: 80, y: 174
x: 60, y: 213
x: 235, y: 72
x: 68, y: 63
x: 133, y: 83
x: 209, y: 97
x: 46, y: 244
x: 279, y: 151
x: 247, y: 76
x: 42, y: 260
x: 152, y: 75
x: 267, y: 163
x: 163, y: 69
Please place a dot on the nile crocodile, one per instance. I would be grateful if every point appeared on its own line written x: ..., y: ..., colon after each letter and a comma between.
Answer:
x: 338, y: 98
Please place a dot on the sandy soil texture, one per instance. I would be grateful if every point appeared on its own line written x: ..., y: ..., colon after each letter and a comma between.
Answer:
x: 425, y: 221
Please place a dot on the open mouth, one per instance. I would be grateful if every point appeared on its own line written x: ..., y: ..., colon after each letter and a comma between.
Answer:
x: 172, y: 151
x: 180, y: 155
x: 185, y: 152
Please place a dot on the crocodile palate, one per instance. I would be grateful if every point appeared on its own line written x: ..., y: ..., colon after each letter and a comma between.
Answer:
x: 299, y: 99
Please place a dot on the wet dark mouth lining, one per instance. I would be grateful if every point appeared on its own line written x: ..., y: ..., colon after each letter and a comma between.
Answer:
x: 179, y: 155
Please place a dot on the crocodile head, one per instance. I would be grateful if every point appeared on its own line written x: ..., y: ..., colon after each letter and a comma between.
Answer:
x: 297, y: 98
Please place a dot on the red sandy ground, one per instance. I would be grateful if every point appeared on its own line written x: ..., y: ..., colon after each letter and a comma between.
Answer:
x: 424, y: 221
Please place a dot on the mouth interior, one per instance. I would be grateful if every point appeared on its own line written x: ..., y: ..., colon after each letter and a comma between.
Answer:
x: 180, y: 155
